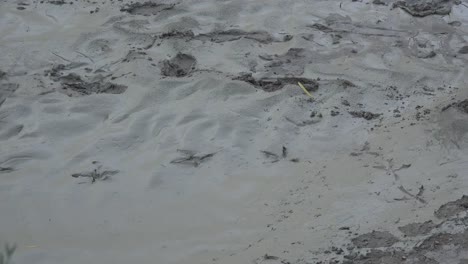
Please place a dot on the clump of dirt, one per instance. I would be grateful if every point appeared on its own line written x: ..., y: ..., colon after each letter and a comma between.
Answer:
x: 441, y: 240
x: 364, y: 114
x: 180, y: 65
x: 452, y: 208
x: 422, y: 8
x: 417, y: 229
x: 236, y: 34
x: 146, y: 8
x: 375, y: 239
x: 74, y: 83
x: 274, y: 84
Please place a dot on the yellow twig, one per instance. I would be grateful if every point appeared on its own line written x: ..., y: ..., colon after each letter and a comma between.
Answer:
x: 305, y: 90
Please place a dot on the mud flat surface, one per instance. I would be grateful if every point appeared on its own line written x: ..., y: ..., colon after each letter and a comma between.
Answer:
x: 177, y: 132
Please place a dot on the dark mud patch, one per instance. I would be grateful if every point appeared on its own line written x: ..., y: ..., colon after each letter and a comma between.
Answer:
x: 423, y: 243
x: 236, y: 34
x: 74, y: 84
x: 417, y: 229
x: 364, y: 114
x: 375, y: 239
x: 274, y: 84
x: 180, y: 65
x: 3, y: 74
x: 146, y: 8
x: 452, y: 208
x: 461, y: 105
x: 388, y: 257
x: 463, y: 50
x: 422, y: 8
x: 441, y: 241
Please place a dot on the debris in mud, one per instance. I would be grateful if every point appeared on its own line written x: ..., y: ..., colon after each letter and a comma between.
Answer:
x: 463, y: 50
x: 74, y: 83
x: 322, y: 28
x: 455, y: 23
x: 304, y: 123
x: 6, y: 169
x: 236, y: 34
x: 375, y: 239
x: 57, y: 2
x: 270, y: 155
x: 180, y: 65
x: 452, y: 208
x: 345, y: 83
x: 191, y: 158
x: 177, y: 34
x: 422, y: 8
x: 393, y: 93
x: 273, y: 157
x: 364, y: 114
x: 417, y: 229
x: 334, y: 113
x: 2, y: 74
x: 96, y: 174
x: 146, y: 8
x: 378, y: 2
x: 270, y: 257
x: 6, y: 89
x: 422, y: 47
x: 274, y: 84
x: 290, y: 63
x: 336, y: 38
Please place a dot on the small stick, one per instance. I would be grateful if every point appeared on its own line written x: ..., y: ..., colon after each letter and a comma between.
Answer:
x: 60, y: 56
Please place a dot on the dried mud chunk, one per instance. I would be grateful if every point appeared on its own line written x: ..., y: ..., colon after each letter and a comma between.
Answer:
x: 416, y: 229
x: 452, y: 208
x: 375, y: 239
x: 146, y: 8
x: 181, y: 65
x: 364, y: 114
x: 421, y: 8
